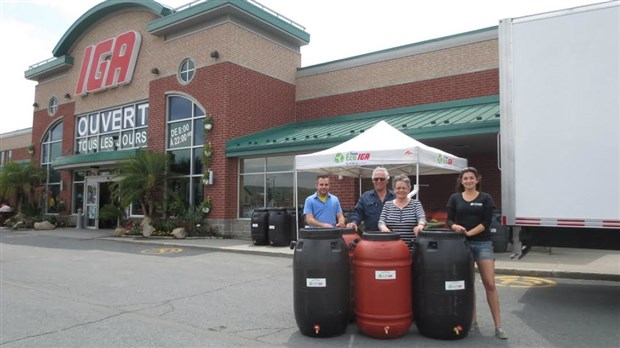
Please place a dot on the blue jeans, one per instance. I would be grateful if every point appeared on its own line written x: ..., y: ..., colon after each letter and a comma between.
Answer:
x: 482, y: 250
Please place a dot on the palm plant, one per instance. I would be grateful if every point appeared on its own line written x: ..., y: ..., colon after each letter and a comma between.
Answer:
x: 142, y: 179
x: 18, y: 182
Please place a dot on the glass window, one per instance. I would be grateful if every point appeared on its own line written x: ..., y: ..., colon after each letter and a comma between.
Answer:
x: 268, y: 182
x: 180, y: 162
x: 179, y: 108
x: 280, y: 190
x: 306, y: 185
x: 252, y: 165
x: 187, y: 69
x: 280, y: 163
x: 52, y: 107
x: 185, y: 142
x: 198, y: 168
x: 252, y: 194
x: 78, y: 191
x: 199, y: 134
x: 51, y: 149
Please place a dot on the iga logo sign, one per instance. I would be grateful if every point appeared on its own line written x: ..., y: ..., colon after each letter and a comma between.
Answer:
x: 109, y: 63
x: 351, y: 156
x: 443, y: 159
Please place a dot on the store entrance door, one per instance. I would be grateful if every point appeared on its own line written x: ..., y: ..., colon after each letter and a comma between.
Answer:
x: 97, y: 195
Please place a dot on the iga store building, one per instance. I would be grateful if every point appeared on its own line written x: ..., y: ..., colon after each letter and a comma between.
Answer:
x: 130, y: 75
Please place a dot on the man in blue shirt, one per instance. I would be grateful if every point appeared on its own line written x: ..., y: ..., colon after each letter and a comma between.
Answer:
x: 370, y: 204
x: 323, y: 209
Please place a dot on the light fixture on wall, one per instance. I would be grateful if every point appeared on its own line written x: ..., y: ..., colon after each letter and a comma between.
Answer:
x: 155, y: 71
x: 210, y: 178
x: 62, y: 185
x: 67, y: 96
x: 215, y: 54
x: 35, y: 105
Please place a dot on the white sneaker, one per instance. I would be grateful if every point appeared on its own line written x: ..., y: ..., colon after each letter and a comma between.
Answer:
x: 500, y: 333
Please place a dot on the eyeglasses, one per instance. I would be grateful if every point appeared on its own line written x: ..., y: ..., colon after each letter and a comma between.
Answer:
x: 378, y: 179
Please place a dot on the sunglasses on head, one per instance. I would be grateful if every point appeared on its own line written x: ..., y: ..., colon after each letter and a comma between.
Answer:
x: 378, y: 179
x: 469, y: 169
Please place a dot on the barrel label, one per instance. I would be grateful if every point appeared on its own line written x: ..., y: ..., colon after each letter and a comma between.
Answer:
x: 385, y: 275
x: 455, y: 285
x: 316, y: 282
x: 272, y: 227
x: 254, y: 225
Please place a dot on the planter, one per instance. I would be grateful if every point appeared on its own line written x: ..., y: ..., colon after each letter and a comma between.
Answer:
x: 208, y: 126
x: 206, y: 210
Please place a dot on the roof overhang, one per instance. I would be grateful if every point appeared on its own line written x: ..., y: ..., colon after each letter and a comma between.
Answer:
x: 249, y: 12
x: 98, y: 159
x: 461, y: 118
x: 50, y: 67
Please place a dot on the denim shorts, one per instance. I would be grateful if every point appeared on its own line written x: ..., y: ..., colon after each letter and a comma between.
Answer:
x: 482, y: 250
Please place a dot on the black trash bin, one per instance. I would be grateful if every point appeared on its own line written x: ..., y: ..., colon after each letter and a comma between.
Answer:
x: 321, y: 282
x: 260, y: 226
x: 499, y: 233
x: 443, y: 284
x: 279, y: 227
x: 293, y: 213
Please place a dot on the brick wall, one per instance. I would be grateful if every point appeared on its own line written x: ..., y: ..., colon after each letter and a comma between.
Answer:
x: 457, y: 87
x: 229, y: 93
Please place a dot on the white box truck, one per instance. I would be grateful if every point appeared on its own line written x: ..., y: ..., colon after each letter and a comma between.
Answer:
x: 560, y: 127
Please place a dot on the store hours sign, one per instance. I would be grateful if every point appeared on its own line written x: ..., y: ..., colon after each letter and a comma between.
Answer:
x: 119, y: 128
x: 180, y: 134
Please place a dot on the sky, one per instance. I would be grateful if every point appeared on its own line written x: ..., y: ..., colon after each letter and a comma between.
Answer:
x: 30, y: 29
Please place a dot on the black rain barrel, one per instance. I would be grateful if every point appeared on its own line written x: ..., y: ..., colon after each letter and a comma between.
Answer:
x: 279, y: 227
x: 321, y: 273
x: 499, y: 233
x: 443, y: 281
x: 260, y: 226
x: 293, y: 213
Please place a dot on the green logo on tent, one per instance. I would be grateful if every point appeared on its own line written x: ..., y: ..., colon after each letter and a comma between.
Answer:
x: 339, y: 158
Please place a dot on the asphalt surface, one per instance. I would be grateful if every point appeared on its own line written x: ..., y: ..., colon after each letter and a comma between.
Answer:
x: 571, y: 263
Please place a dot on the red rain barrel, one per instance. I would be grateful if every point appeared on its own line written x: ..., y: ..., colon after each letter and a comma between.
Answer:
x: 321, y: 282
x: 382, y: 266
x: 350, y: 236
x: 443, y: 276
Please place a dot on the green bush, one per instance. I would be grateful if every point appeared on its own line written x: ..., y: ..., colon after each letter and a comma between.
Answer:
x: 165, y: 225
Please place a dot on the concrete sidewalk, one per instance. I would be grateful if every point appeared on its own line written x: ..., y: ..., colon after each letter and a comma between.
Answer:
x: 539, y: 262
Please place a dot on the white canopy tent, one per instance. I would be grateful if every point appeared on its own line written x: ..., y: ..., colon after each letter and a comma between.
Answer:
x: 381, y: 145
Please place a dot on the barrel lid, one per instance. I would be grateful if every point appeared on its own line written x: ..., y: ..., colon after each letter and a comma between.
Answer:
x: 349, y: 231
x: 320, y: 233
x: 380, y: 236
x: 261, y: 209
x: 441, y: 233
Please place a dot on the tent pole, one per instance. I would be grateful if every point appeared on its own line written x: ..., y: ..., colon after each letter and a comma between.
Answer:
x: 360, y: 184
x: 295, y: 199
x: 417, y: 175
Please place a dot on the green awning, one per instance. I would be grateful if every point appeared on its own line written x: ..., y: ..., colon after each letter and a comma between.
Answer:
x: 98, y: 159
x: 431, y: 121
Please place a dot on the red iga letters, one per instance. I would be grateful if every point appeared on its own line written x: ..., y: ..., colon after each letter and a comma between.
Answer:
x: 109, y: 63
